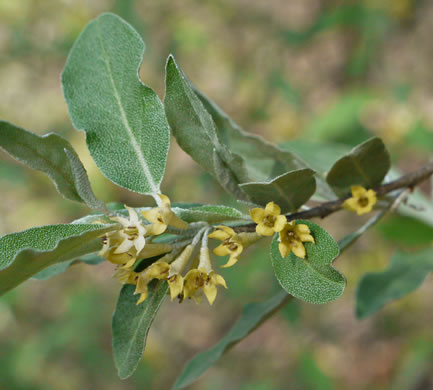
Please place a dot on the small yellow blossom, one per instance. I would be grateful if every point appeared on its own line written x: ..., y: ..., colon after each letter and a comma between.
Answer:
x: 292, y: 238
x: 231, y: 244
x: 163, y: 216
x: 362, y: 200
x: 269, y: 220
x: 202, y: 279
x: 157, y: 270
x: 132, y: 234
x: 175, y: 279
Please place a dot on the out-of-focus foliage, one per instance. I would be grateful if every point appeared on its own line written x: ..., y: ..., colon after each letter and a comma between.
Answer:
x: 329, y: 71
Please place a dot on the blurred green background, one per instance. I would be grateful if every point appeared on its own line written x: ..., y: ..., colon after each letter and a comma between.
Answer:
x: 322, y: 70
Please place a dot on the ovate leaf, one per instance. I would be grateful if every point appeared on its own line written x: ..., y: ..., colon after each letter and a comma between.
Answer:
x: 126, y: 129
x: 82, y: 183
x: 405, y: 274
x: 195, y: 131
x: 43, y: 153
x: 252, y: 316
x: 209, y: 213
x: 131, y: 323
x: 290, y: 191
x: 312, y: 279
x: 26, y: 253
x: 365, y: 165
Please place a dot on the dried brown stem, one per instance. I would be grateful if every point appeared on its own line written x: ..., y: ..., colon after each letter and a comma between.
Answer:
x: 323, y: 210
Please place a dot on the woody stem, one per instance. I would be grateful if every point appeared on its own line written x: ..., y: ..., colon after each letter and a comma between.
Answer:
x: 324, y: 209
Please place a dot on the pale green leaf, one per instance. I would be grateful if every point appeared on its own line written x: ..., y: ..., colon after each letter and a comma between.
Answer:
x: 404, y: 275
x: 209, y: 213
x: 26, y: 253
x: 43, y: 153
x: 365, y: 165
x: 82, y: 183
x: 126, y: 129
x: 253, y: 314
x: 131, y: 323
x: 195, y: 131
x: 312, y: 279
x: 290, y: 191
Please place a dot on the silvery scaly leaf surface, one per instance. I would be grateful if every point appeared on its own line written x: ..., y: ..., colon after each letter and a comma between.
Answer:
x: 312, y: 279
x: 26, y: 253
x: 44, y: 153
x: 131, y: 324
x: 126, y: 129
x: 195, y: 131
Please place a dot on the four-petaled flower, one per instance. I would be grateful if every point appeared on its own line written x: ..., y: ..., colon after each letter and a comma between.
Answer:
x: 231, y: 244
x: 292, y: 238
x: 163, y: 216
x: 362, y: 200
x: 269, y: 220
x: 132, y: 234
x: 202, y: 279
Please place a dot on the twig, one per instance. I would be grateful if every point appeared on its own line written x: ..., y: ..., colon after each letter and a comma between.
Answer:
x: 323, y: 210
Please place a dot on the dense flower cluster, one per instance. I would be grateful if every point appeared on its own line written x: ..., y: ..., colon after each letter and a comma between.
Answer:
x: 189, y: 274
x: 183, y: 262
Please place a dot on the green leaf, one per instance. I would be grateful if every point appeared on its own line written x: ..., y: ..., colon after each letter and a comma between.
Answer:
x: 59, y: 268
x: 126, y: 129
x: 263, y: 161
x: 26, y: 253
x: 252, y: 316
x: 312, y: 279
x: 43, y: 153
x: 365, y: 165
x: 131, y: 323
x: 209, y: 213
x: 195, y: 131
x: 404, y: 275
x: 290, y: 191
x: 82, y: 183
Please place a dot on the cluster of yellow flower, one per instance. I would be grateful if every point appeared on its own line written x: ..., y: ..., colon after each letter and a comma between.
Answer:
x: 291, y: 235
x: 133, y: 242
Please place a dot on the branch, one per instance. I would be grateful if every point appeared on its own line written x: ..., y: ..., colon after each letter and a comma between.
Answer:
x: 323, y: 210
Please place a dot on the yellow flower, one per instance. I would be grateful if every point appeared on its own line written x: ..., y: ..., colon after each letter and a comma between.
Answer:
x: 125, y: 260
x: 126, y: 276
x: 132, y: 234
x: 157, y: 270
x: 202, y: 279
x: 268, y: 220
x: 161, y: 217
x: 175, y: 279
x: 292, y: 238
x: 231, y: 244
x: 362, y: 201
